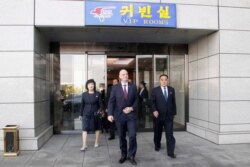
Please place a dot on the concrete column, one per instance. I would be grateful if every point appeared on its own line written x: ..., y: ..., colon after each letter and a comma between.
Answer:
x: 204, y: 87
x: 224, y: 117
x: 17, y: 73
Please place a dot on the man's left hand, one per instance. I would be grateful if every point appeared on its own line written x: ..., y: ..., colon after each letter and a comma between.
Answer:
x: 127, y: 110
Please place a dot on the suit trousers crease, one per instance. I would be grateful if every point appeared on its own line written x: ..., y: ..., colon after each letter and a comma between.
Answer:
x: 168, y: 127
x: 125, y: 124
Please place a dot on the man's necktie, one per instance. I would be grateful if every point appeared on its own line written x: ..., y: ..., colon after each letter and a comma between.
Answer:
x: 125, y: 93
x: 165, y: 94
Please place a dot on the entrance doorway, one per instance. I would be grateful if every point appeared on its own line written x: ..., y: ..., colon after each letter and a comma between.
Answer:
x: 72, y: 70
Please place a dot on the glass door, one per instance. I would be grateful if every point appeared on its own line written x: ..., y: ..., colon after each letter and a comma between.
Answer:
x: 97, y: 66
x: 148, y: 69
x: 161, y: 66
x: 73, y: 72
x: 145, y: 74
x: 177, y: 80
x: 72, y: 83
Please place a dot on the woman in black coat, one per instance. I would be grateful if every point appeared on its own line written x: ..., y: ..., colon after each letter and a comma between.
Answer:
x: 91, y: 108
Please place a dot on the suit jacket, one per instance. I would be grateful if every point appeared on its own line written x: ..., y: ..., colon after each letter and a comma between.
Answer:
x: 117, y: 101
x: 158, y: 102
x: 90, y: 106
x: 143, y: 95
x: 108, y: 95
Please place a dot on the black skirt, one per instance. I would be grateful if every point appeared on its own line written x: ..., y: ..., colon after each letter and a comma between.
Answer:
x: 91, y: 123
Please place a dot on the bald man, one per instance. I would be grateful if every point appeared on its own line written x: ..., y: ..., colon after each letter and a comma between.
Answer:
x: 121, y: 108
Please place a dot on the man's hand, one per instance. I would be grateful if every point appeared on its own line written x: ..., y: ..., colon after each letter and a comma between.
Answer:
x: 127, y: 110
x: 110, y: 118
x: 156, y: 114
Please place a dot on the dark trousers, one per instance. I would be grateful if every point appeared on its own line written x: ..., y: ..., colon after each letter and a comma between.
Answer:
x: 112, y: 130
x: 125, y: 124
x: 168, y: 126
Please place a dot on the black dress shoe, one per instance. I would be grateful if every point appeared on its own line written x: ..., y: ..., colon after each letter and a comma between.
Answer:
x: 122, y: 159
x: 111, y: 138
x: 157, y: 149
x: 132, y: 161
x: 172, y: 155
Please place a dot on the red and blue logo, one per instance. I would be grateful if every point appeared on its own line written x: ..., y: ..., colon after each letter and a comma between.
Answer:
x: 103, y: 12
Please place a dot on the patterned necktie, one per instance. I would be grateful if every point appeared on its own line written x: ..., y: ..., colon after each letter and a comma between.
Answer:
x: 125, y: 93
x: 165, y: 94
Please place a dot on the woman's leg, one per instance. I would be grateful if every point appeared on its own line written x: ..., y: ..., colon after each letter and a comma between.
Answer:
x: 84, y: 139
x: 97, y: 136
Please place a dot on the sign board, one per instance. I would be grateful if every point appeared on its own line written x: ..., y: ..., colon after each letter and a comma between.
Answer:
x: 130, y: 14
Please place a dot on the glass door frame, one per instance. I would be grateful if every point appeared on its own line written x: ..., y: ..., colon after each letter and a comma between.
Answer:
x: 154, y: 67
x: 153, y: 56
x: 137, y: 67
x: 105, y: 67
x: 154, y: 79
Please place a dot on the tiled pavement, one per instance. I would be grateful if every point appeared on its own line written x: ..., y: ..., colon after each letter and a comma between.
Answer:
x: 192, y: 151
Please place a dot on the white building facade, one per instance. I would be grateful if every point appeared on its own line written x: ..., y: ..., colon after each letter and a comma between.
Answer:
x: 216, y: 33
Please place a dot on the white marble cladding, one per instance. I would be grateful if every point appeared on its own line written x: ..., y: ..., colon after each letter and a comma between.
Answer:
x: 193, y: 70
x: 214, y: 112
x: 17, y: 114
x: 239, y: 68
x: 193, y: 108
x: 234, y: 3
x: 59, y: 13
x: 16, y: 38
x: 191, y: 2
x: 17, y: 12
x: 235, y: 89
x: 203, y: 110
x: 217, y: 137
x: 214, y: 66
x: 203, y: 68
x: 228, y: 54
x: 11, y: 61
x: 214, y: 43
x: 187, y: 17
x: 17, y: 90
x: 235, y: 112
x: 192, y: 51
x: 235, y: 18
x: 204, y: 87
x: 234, y: 42
x: 202, y: 47
x: 214, y: 89
x: 193, y: 90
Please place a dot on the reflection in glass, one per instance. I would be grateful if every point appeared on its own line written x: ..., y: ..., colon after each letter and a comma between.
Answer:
x: 73, y: 78
x: 97, y: 70
x: 160, y: 67
x: 145, y: 73
x: 177, y: 80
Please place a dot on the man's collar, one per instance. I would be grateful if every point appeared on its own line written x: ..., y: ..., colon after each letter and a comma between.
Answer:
x: 124, y: 83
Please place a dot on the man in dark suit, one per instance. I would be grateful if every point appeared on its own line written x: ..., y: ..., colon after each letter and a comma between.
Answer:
x: 163, y: 107
x: 112, y: 124
x: 121, y: 108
